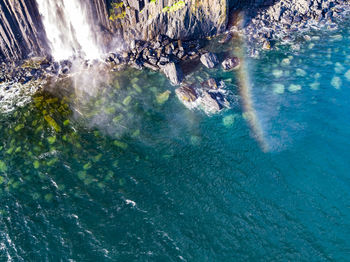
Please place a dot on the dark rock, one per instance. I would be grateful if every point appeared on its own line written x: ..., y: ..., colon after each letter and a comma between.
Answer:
x: 164, y: 59
x: 179, y: 44
x: 194, y: 57
x: 152, y: 60
x: 65, y: 70
x: 173, y: 72
x: 226, y: 39
x: 210, y: 60
x: 210, y: 84
x: 168, y: 49
x: 230, y: 63
x: 180, y: 54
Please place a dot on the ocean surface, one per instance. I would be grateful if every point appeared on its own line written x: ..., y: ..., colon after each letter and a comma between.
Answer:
x: 115, y: 168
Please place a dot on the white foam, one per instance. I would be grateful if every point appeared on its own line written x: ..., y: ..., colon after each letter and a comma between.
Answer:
x: 14, y: 95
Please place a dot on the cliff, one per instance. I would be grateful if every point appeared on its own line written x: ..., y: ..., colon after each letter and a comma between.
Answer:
x: 21, y: 30
x: 22, y: 33
x: 177, y: 19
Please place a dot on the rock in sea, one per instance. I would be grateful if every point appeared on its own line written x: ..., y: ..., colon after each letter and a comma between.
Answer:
x: 210, y: 103
x: 210, y: 60
x: 231, y: 63
x: 186, y: 94
x: 173, y: 72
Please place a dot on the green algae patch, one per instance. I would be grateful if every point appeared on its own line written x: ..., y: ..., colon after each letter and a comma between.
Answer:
x: 87, y: 166
x: 228, y: 121
x: 3, y: 167
x: 136, y: 133
x: 127, y: 100
x: 82, y: 175
x: 19, y: 127
x: 97, y: 158
x: 48, y: 197
x: 36, y: 164
x: 163, y: 97
x: 117, y: 118
x: 52, y: 123
x: 174, y: 7
x: 52, y: 161
x: 51, y: 140
x: 120, y: 144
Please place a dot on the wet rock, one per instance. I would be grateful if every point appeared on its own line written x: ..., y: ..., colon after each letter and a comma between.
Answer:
x: 209, y: 103
x: 210, y: 84
x: 209, y: 59
x: 150, y: 66
x: 231, y: 63
x: 173, y: 72
x: 186, y: 94
x: 164, y: 60
x: 152, y: 60
x: 266, y: 45
x: 226, y: 39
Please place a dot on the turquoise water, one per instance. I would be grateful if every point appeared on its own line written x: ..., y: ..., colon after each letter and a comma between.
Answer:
x: 124, y: 173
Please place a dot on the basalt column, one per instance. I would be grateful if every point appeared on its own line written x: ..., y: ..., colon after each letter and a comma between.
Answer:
x: 21, y: 30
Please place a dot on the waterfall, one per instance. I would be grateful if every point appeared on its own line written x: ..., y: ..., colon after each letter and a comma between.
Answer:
x: 69, y: 29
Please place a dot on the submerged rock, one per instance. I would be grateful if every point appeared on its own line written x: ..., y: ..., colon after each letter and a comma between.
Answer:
x: 163, y: 97
x: 210, y: 60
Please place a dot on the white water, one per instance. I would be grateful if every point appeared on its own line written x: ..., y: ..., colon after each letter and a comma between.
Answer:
x: 68, y: 29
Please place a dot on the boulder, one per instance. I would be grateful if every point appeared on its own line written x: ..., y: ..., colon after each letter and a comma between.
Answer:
x: 231, y: 63
x: 173, y: 72
x: 210, y: 60
x: 209, y: 103
x: 186, y: 94
x: 210, y: 84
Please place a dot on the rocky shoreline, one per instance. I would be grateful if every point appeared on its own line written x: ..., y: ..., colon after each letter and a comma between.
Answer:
x: 283, y: 20
x: 261, y: 29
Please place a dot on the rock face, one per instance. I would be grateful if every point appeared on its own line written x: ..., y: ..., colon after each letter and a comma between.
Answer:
x: 190, y: 19
x: 21, y: 30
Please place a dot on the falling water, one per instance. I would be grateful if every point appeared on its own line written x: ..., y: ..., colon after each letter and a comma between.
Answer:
x: 69, y: 29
